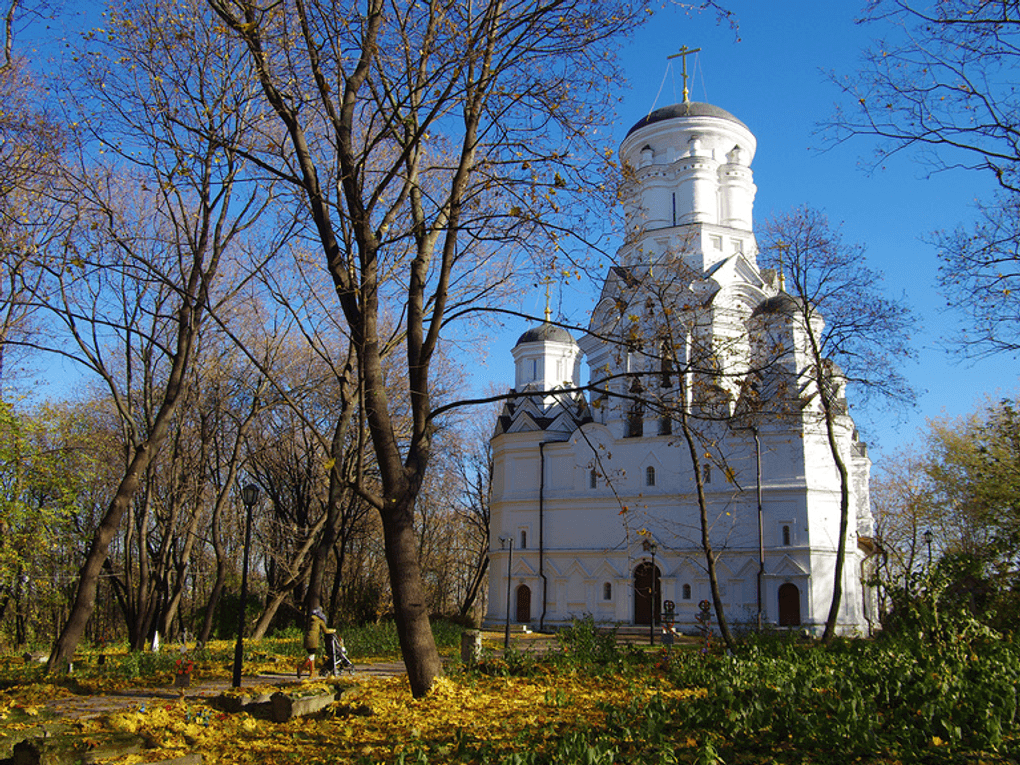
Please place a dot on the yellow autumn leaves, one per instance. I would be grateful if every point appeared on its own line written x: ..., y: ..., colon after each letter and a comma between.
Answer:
x: 486, y: 709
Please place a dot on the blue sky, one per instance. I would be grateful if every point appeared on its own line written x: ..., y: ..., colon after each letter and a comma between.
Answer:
x: 775, y: 80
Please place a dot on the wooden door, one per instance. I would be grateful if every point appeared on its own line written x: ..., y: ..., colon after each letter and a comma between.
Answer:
x: 789, y: 605
x: 647, y: 594
x: 523, y: 604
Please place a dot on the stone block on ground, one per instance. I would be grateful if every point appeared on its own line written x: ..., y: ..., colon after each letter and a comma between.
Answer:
x: 233, y: 703
x: 10, y: 739
x: 184, y: 759
x: 286, y: 707
x: 74, y: 749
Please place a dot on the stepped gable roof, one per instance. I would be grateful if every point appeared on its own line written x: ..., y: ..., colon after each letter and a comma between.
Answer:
x: 545, y: 332
x: 685, y: 109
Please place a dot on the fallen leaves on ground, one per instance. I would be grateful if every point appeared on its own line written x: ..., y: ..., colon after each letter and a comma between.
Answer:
x: 482, y: 709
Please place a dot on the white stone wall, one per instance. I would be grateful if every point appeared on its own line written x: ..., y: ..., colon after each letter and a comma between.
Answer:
x: 690, y: 205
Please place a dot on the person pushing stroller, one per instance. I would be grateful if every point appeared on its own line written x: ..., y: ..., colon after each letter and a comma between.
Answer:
x: 336, y: 653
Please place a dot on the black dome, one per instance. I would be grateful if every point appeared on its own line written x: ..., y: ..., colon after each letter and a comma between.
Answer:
x: 685, y: 109
x: 545, y: 332
x: 780, y: 304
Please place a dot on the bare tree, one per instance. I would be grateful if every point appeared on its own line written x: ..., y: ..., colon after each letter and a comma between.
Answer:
x: 416, y: 132
x: 941, y: 83
x: 472, y: 507
x: 30, y: 221
x: 669, y: 351
x: 154, y: 227
x: 845, y: 320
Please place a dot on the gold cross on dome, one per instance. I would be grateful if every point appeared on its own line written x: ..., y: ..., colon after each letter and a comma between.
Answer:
x: 682, y: 55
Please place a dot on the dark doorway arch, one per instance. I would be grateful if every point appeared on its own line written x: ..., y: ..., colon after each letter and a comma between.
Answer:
x: 647, y: 594
x: 523, y: 604
x: 789, y: 605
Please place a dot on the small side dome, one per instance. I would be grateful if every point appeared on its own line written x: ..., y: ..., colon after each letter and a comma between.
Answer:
x: 545, y: 333
x: 780, y: 305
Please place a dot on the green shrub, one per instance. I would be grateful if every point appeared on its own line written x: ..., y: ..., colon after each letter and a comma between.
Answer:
x: 587, y: 645
x: 857, y: 697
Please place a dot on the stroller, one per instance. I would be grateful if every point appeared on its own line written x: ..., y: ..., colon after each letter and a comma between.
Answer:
x: 336, y: 654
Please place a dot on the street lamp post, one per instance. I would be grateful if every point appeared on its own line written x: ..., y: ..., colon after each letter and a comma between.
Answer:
x: 650, y: 547
x: 761, y: 524
x: 249, y: 496
x: 927, y: 541
x: 507, y: 543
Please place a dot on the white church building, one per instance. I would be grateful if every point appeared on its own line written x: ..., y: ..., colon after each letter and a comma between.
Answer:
x: 594, y: 506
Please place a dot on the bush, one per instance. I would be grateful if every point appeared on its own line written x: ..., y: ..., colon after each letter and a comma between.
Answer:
x: 856, y: 697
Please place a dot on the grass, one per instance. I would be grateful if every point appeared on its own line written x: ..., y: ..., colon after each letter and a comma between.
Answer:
x: 592, y: 701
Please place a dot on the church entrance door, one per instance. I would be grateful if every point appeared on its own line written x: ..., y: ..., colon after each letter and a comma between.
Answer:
x: 647, y: 594
x: 789, y: 605
x: 523, y: 604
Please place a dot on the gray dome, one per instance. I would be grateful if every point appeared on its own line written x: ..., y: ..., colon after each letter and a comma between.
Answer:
x: 685, y: 109
x: 545, y: 332
x: 781, y: 304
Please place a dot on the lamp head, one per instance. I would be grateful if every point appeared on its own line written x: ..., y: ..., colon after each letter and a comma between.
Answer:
x: 250, y: 495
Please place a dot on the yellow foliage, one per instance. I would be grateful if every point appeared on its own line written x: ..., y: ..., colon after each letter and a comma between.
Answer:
x: 497, y: 710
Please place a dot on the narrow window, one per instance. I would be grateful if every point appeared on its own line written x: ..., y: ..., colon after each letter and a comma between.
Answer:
x: 687, y: 592
x: 636, y: 414
x: 706, y: 473
x: 636, y: 420
x: 665, y: 365
x: 524, y: 539
x: 607, y: 591
x: 786, y: 536
x: 593, y: 479
x: 674, y: 208
x: 649, y: 476
x: 665, y: 425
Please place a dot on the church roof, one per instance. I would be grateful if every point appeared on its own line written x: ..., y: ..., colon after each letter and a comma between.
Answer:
x: 685, y: 109
x: 780, y: 304
x: 545, y: 332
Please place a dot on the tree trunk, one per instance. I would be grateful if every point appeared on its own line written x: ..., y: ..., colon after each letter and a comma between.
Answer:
x: 340, y: 552
x: 410, y: 608
x: 174, y: 600
x: 88, y: 578
x: 300, y: 563
x: 844, y: 522
x: 475, y: 585
x: 706, y: 541
x: 214, y: 600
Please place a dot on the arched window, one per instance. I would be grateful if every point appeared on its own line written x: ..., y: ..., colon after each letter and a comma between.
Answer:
x: 687, y: 592
x: 524, y: 539
x: 786, y: 536
x: 649, y: 476
x: 607, y: 591
x: 593, y: 479
x: 706, y: 473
